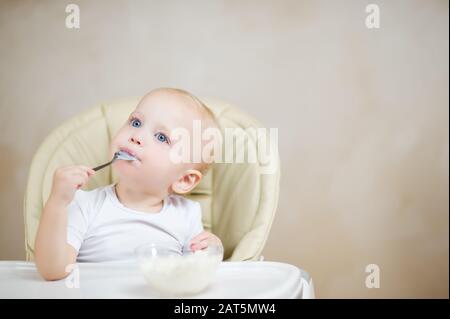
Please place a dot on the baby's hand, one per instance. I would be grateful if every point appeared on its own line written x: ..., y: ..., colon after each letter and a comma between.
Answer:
x: 67, y: 180
x: 203, y: 240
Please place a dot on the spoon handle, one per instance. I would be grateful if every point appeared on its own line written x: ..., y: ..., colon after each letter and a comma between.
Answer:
x: 106, y: 164
x: 101, y: 166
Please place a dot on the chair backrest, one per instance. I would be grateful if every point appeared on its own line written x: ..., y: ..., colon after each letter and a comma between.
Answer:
x: 238, y: 200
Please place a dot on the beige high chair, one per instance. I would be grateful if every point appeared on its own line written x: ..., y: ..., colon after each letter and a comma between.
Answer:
x: 238, y: 200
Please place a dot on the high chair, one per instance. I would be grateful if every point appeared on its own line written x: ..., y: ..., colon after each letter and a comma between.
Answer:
x: 238, y: 200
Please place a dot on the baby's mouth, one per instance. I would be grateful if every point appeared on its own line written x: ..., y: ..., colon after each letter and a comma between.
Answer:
x: 128, y: 155
x: 125, y: 156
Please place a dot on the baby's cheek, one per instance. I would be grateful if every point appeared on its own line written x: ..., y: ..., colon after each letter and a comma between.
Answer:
x: 112, y: 149
x: 157, y: 158
x: 155, y: 166
x: 114, y: 145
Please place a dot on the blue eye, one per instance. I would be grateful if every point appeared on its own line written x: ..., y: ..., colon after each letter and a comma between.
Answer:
x: 135, y: 121
x: 162, y: 138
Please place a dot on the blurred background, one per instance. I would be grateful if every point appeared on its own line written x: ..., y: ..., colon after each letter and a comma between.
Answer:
x: 362, y: 114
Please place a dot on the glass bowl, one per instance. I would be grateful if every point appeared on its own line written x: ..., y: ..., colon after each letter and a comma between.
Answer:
x: 173, y: 274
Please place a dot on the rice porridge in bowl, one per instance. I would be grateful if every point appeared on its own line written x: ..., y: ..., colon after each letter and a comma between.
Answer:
x: 173, y: 274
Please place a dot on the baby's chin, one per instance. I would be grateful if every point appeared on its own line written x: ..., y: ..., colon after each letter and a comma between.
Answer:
x: 124, y: 165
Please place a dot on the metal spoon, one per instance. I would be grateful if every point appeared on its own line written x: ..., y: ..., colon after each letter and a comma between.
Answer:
x: 117, y: 155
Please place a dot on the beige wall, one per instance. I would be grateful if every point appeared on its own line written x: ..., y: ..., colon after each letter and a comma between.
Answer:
x: 362, y: 115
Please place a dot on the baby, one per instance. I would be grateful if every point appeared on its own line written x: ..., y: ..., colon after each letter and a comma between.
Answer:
x: 145, y: 205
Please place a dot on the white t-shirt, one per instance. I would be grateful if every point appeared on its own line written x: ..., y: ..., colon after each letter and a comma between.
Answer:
x: 101, y: 228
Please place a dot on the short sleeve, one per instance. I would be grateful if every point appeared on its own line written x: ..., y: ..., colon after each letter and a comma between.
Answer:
x: 195, y: 222
x: 77, y: 221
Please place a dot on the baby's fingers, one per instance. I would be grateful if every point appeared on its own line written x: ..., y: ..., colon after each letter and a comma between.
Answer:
x: 87, y: 170
x: 199, y: 245
x: 202, y: 236
x: 81, y: 178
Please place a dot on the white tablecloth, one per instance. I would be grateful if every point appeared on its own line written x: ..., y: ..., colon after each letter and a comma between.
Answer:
x: 248, y: 279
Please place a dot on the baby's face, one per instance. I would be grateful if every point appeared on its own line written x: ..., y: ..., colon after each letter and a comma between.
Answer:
x: 146, y: 134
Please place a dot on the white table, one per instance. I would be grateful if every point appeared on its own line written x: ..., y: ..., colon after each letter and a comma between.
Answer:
x: 248, y: 279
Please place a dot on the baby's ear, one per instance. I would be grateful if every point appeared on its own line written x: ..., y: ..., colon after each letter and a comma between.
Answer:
x: 187, y: 182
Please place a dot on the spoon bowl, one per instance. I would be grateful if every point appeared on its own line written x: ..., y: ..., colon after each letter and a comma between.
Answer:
x: 121, y: 155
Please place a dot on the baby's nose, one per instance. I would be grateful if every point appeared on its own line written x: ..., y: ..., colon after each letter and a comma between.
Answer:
x: 135, y: 140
